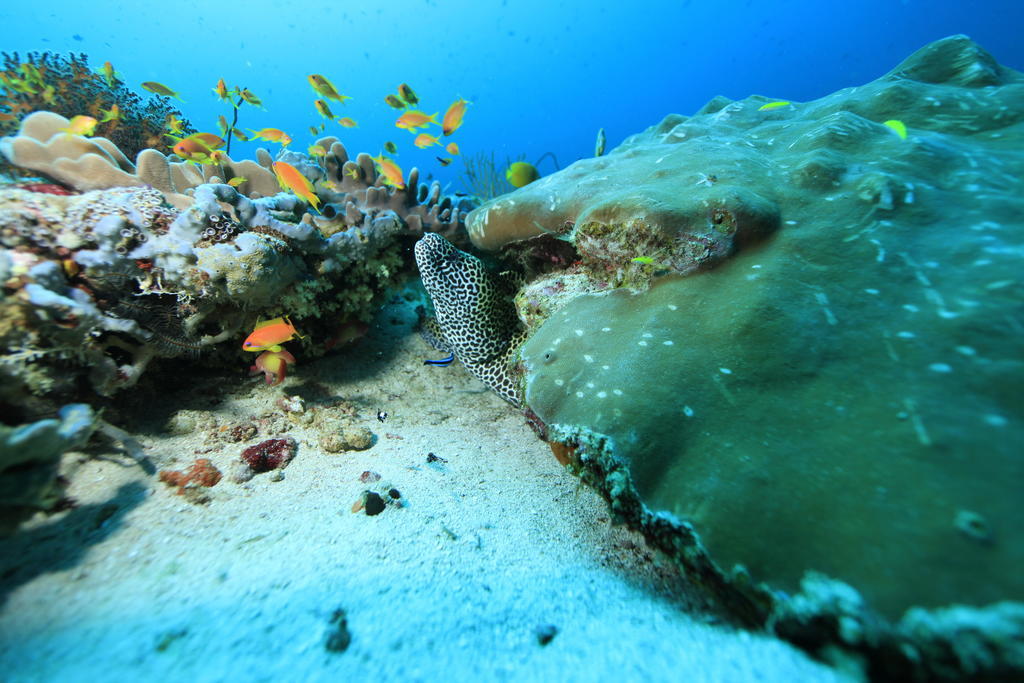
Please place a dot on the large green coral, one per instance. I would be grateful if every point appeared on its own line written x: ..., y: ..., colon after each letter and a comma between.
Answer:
x: 827, y: 383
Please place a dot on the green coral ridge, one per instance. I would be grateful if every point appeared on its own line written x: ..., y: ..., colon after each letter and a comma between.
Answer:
x: 817, y: 408
x: 475, y: 319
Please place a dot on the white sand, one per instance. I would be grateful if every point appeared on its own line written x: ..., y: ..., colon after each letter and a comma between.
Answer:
x: 486, y: 549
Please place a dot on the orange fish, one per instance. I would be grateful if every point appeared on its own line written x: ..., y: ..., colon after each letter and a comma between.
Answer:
x: 391, y: 171
x: 208, y: 139
x: 348, y: 122
x: 271, y: 134
x: 174, y: 124
x: 81, y: 125
x: 273, y: 365
x: 453, y: 117
x: 290, y: 178
x: 192, y: 149
x: 222, y: 91
x: 414, y: 118
x: 109, y: 75
x: 424, y: 140
x: 270, y: 334
x: 452, y: 148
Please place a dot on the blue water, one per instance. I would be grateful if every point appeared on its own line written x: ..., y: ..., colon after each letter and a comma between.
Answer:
x: 541, y: 78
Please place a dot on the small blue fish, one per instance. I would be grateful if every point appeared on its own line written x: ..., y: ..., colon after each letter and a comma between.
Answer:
x: 442, y: 362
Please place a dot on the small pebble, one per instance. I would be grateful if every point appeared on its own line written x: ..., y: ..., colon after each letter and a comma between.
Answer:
x: 545, y: 633
x: 373, y: 503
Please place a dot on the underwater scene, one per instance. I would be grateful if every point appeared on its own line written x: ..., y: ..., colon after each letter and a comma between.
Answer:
x: 444, y: 340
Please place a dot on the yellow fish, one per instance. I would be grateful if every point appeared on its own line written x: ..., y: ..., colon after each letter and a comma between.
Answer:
x: 249, y: 97
x: 290, y: 178
x: 81, y: 125
x: 160, y: 89
x: 395, y: 102
x: 239, y: 134
x: 347, y: 122
x: 353, y: 173
x: 414, y: 119
x: 391, y: 147
x: 424, y: 140
x: 31, y: 73
x: 521, y: 174
x: 112, y: 114
x: 237, y: 180
x: 270, y: 134
x: 324, y: 87
x: 897, y: 127
x: 453, y: 117
x: 313, y: 130
x: 406, y: 93
x: 643, y: 259
x: 390, y: 170
x: 323, y: 109
x: 109, y: 75
x: 49, y: 94
x: 774, y: 105
x: 452, y: 148
x: 222, y: 125
x: 173, y: 124
x: 316, y: 151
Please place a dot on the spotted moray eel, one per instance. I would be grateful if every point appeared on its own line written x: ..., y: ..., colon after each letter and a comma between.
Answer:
x: 476, y: 319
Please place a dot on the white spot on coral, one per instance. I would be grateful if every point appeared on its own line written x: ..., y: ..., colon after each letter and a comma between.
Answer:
x: 996, y: 420
x: 579, y: 333
x: 606, y: 367
x: 617, y: 392
x: 673, y: 307
x: 602, y: 394
x: 559, y: 382
x: 646, y: 335
x: 725, y: 371
x: 668, y: 342
x: 687, y: 411
x: 579, y: 394
x: 966, y: 351
x: 872, y: 290
x: 557, y: 342
x: 940, y: 367
x: 790, y: 222
x: 755, y: 266
x: 606, y: 329
x: 911, y: 307
x: 587, y: 357
x: 590, y: 385
x: 905, y: 335
x: 641, y: 343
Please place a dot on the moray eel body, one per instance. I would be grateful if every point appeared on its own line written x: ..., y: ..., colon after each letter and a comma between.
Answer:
x: 476, y: 321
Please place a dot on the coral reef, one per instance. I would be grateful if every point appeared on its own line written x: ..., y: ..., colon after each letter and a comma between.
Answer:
x: 160, y: 263
x: 65, y: 85
x: 29, y: 460
x: 785, y: 342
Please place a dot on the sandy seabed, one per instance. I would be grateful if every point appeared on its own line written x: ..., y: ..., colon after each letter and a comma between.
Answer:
x: 495, y: 565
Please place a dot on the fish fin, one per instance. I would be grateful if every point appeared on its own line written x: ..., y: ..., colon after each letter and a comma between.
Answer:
x: 275, y: 321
